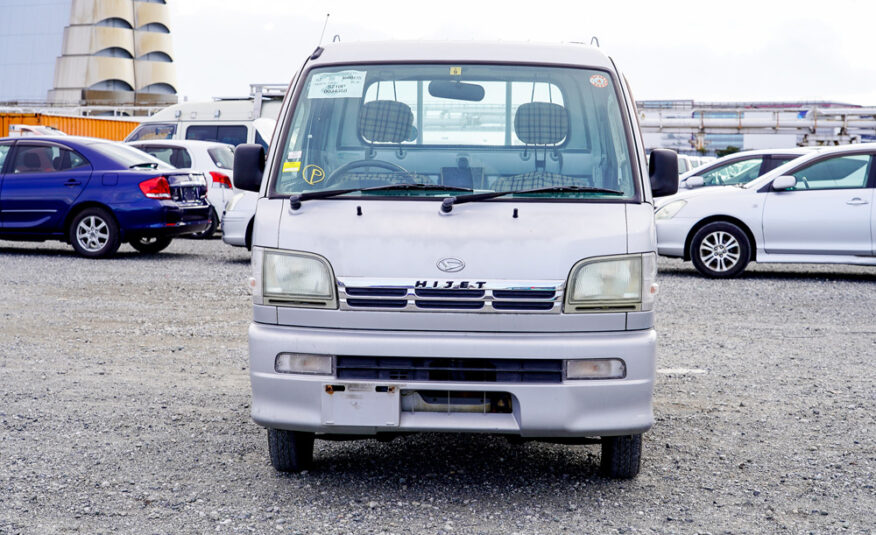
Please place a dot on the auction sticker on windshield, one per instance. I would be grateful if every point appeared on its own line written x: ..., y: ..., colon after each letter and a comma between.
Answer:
x: 344, y: 84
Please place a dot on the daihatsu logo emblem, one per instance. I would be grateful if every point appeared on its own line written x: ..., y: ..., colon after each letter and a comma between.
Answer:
x: 450, y: 265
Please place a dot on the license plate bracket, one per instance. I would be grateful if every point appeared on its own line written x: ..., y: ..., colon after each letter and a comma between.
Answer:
x: 361, y: 404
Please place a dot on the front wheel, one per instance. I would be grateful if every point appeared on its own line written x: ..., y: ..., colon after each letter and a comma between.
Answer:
x: 94, y: 233
x: 621, y: 456
x: 150, y: 245
x: 720, y: 250
x: 291, y: 451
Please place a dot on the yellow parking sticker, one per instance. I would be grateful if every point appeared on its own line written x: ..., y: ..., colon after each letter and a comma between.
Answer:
x: 455, y: 71
x: 313, y: 174
x: 291, y: 167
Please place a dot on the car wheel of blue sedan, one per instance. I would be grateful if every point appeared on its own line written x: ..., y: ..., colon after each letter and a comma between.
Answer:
x: 94, y: 233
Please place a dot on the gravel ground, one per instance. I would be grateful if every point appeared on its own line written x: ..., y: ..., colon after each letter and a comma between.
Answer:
x: 124, y: 404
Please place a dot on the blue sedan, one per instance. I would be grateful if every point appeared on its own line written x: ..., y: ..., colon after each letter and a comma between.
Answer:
x: 95, y: 194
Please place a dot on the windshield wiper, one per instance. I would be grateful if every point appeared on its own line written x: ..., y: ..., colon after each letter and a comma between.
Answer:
x: 142, y: 165
x: 295, y: 200
x: 447, y: 204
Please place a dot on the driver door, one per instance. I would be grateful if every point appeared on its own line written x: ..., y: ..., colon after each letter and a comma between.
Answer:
x: 826, y: 213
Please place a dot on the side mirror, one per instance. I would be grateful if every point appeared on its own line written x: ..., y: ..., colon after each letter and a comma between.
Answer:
x: 694, y: 182
x: 663, y: 171
x: 249, y: 166
x: 784, y: 182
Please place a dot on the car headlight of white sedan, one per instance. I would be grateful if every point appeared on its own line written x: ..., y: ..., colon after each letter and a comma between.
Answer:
x: 669, y: 210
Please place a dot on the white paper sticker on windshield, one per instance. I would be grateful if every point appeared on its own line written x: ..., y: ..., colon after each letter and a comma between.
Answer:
x: 344, y: 84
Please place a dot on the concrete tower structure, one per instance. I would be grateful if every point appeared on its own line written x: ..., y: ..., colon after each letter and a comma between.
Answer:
x: 116, y: 52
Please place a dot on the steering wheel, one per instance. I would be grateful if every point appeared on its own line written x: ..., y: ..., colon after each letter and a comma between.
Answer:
x: 805, y: 182
x: 365, y: 163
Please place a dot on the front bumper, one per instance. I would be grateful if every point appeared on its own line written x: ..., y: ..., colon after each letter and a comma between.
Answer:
x: 672, y: 235
x: 234, y: 224
x: 570, y: 409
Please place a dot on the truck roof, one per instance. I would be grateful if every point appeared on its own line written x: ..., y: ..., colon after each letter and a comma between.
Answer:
x: 576, y: 55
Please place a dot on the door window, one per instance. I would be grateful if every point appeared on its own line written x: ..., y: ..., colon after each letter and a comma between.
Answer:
x: 231, y: 134
x: 843, y: 172
x: 152, y: 131
x: 738, y: 172
x: 177, y: 157
x: 45, y: 159
x: 4, y: 150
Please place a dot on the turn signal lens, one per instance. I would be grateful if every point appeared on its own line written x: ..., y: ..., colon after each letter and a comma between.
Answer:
x: 303, y: 363
x: 596, y: 369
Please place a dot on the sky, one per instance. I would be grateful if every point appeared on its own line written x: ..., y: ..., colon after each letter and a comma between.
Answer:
x: 739, y: 50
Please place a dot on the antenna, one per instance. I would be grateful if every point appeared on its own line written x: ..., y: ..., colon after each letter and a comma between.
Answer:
x: 323, y: 29
x: 594, y: 39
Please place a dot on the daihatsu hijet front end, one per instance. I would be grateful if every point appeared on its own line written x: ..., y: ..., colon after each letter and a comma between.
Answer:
x: 456, y: 238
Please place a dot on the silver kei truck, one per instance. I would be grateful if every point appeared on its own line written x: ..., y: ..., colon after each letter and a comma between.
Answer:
x: 455, y: 237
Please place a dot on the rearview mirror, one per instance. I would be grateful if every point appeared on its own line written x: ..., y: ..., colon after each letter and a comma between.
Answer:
x: 663, y: 171
x: 456, y: 90
x: 249, y: 165
x: 784, y: 182
x: 694, y: 182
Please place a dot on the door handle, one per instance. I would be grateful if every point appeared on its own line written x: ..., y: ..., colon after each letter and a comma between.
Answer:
x: 856, y: 200
x: 72, y: 182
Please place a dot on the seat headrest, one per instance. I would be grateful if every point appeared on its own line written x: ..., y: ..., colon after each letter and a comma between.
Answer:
x: 31, y: 160
x: 385, y: 121
x: 541, y: 123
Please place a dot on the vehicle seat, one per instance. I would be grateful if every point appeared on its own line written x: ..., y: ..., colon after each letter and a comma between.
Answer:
x: 177, y: 159
x: 30, y: 162
x: 539, y: 125
x: 385, y: 121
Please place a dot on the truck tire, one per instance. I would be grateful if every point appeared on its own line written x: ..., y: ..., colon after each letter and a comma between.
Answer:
x: 621, y: 456
x: 94, y: 233
x: 291, y: 451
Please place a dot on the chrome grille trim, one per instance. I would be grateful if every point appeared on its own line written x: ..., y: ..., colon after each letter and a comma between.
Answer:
x: 496, y: 297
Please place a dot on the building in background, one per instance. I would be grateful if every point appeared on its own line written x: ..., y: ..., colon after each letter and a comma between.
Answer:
x: 86, y: 53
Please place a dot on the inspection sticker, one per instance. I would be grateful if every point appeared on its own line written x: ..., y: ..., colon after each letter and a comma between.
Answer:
x: 455, y: 71
x: 598, y: 80
x: 344, y: 84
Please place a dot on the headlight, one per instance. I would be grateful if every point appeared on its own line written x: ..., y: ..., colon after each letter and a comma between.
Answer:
x: 612, y: 284
x: 229, y: 206
x: 668, y: 211
x: 292, y: 279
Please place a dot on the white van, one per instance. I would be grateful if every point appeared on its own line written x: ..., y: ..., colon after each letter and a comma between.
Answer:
x: 225, y: 120
x: 455, y: 237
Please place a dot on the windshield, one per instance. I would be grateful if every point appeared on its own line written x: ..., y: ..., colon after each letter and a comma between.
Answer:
x: 484, y: 128
x: 223, y: 157
x: 128, y: 156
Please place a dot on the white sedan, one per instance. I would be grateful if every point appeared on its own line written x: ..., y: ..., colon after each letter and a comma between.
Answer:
x: 815, y: 209
x: 215, y: 160
x: 238, y: 219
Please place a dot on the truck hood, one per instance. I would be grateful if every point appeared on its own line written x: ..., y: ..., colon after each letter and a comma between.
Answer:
x: 401, y: 238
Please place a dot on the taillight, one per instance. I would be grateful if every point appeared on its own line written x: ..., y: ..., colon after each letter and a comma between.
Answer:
x: 222, y: 180
x: 156, y: 188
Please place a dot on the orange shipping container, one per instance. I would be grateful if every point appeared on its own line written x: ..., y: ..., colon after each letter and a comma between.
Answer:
x: 114, y: 129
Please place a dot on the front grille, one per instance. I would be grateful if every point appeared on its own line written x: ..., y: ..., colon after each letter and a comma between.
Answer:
x: 452, y: 296
x: 450, y: 369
